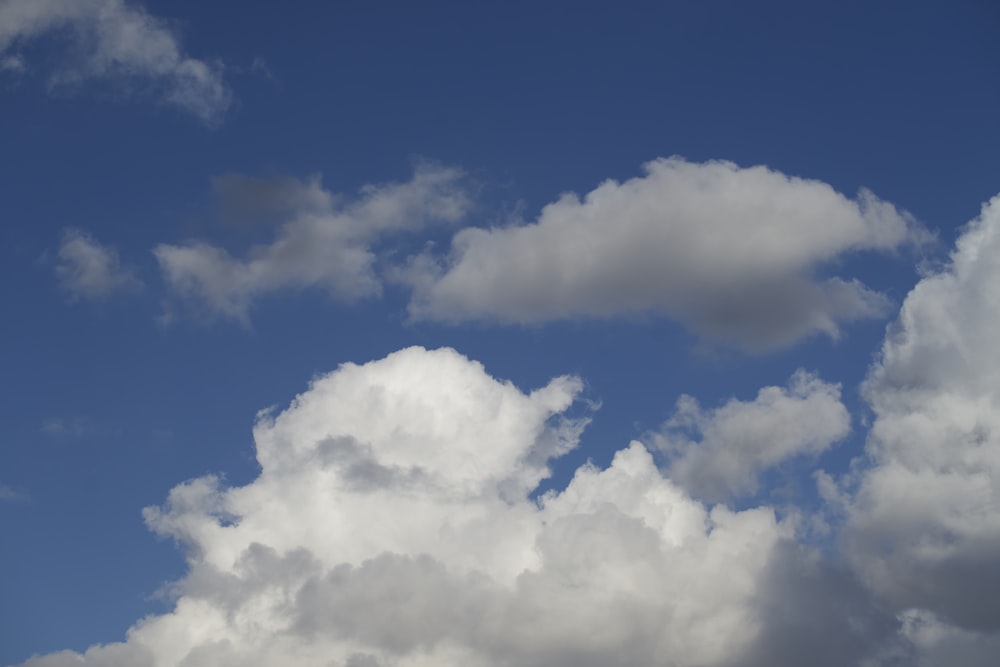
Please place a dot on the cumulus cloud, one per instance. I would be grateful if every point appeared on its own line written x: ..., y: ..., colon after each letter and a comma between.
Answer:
x: 740, y: 439
x: 732, y: 253
x: 924, y: 526
x: 393, y: 523
x: 323, y: 241
x: 119, y: 41
x: 87, y: 269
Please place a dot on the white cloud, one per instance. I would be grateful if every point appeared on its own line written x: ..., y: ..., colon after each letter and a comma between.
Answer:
x: 116, y: 40
x: 741, y: 439
x: 732, y: 253
x: 324, y: 240
x: 86, y: 269
x: 391, y: 524
x: 924, y: 527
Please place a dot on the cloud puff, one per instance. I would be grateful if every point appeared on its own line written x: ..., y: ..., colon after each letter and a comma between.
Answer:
x: 392, y: 523
x: 86, y: 269
x: 323, y: 240
x: 924, y: 526
x: 741, y: 439
x: 732, y: 253
x: 112, y: 39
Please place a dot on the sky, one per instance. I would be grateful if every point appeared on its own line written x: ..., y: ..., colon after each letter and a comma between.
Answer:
x: 372, y: 334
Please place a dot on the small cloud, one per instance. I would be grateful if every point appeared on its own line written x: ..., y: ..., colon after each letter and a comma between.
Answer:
x: 111, y: 40
x: 8, y: 494
x: 89, y: 270
x: 65, y: 428
x: 13, y: 63
x: 720, y: 453
x: 262, y: 68
x: 321, y: 240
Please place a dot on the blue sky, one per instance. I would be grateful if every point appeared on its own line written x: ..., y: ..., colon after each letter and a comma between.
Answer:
x: 209, y: 205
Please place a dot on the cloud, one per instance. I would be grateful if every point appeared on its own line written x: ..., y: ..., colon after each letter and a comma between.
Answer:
x: 940, y: 643
x: 72, y: 428
x: 262, y: 201
x: 392, y: 523
x: 12, y: 63
x: 741, y: 439
x: 118, y: 41
x: 924, y: 524
x: 10, y: 494
x: 323, y: 240
x: 86, y: 269
x: 732, y: 253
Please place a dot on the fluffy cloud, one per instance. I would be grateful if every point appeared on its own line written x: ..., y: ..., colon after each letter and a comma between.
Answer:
x: 924, y: 526
x: 392, y: 523
x: 112, y: 39
x: 740, y: 439
x: 732, y: 253
x: 86, y: 269
x: 323, y: 241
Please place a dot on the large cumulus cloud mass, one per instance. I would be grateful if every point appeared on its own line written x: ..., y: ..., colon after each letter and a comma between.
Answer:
x: 395, y: 520
x: 393, y: 523
x: 924, y: 522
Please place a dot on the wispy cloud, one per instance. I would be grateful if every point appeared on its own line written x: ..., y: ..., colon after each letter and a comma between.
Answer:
x: 12, y: 63
x: 63, y: 428
x: 321, y: 241
x: 89, y: 270
x: 9, y: 494
x: 117, y: 41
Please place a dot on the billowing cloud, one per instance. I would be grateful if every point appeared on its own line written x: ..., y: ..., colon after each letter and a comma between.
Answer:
x: 732, y: 253
x: 87, y: 269
x: 740, y: 439
x: 119, y: 41
x: 924, y: 526
x: 323, y: 240
x: 392, y: 523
